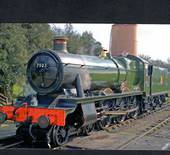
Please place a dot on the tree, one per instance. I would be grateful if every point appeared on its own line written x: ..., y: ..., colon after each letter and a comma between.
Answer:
x: 17, y: 43
x: 68, y: 30
x: 39, y: 36
x: 79, y: 43
x: 168, y: 64
x: 145, y: 57
x: 157, y: 62
x: 13, y: 55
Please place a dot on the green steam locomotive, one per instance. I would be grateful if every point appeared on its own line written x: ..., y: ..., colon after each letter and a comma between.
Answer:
x: 77, y: 93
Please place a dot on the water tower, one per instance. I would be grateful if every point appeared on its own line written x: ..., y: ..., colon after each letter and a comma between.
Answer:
x: 123, y: 39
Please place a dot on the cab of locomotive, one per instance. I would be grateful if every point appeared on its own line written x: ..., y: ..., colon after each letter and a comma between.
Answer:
x: 133, y: 66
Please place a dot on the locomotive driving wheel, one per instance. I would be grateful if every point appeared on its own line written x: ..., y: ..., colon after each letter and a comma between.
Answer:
x: 88, y: 129
x: 152, y: 103
x: 60, y: 135
x: 120, y: 118
x: 106, y: 122
x: 121, y: 104
x: 135, y: 113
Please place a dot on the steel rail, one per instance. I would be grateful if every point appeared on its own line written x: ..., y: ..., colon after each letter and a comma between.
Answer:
x: 135, y: 138
x: 70, y: 147
x: 12, y: 145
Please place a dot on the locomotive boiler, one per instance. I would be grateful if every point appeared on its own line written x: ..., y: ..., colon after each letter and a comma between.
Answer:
x: 77, y: 93
x: 50, y: 70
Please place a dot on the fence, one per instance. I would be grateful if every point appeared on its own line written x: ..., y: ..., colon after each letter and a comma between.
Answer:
x: 3, y: 100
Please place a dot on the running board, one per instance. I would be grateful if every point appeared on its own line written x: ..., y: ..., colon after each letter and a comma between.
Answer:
x: 92, y: 99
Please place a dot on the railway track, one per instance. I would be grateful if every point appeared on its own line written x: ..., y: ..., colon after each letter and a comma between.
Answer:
x: 10, y: 142
x: 125, y: 132
x: 115, y: 127
x: 148, y: 131
x: 70, y: 147
x: 13, y: 142
x: 12, y: 145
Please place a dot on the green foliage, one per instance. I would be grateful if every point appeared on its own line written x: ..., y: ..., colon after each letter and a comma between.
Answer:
x: 17, y: 43
x: 39, y: 36
x: 79, y: 43
x: 13, y: 55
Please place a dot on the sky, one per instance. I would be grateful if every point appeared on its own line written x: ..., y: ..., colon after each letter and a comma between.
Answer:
x: 152, y: 39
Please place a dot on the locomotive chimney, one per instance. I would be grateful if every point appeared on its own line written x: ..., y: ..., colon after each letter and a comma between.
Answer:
x: 60, y: 44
